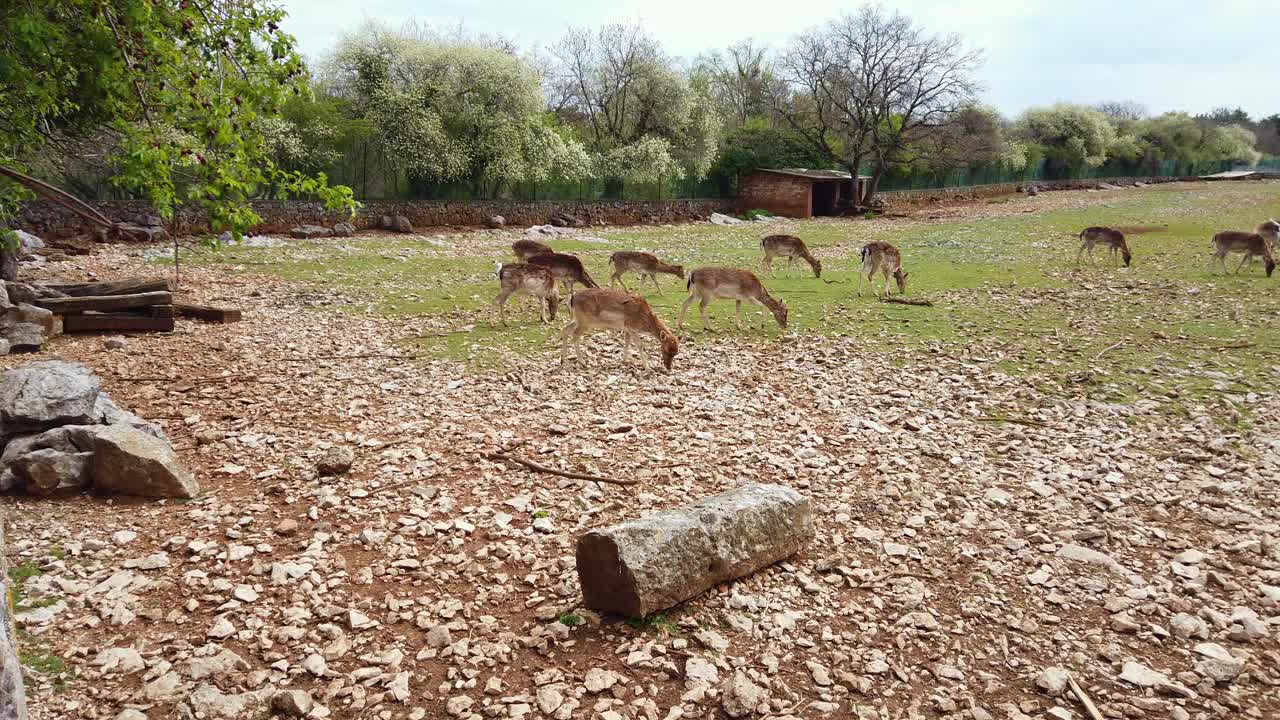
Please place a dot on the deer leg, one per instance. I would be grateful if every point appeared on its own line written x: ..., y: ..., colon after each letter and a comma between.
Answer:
x: 737, y: 317
x: 656, y: 286
x: 1242, y: 262
x: 644, y: 357
x: 886, y: 283
x: 1080, y: 252
x: 500, y: 303
x: 764, y: 310
x: 564, y: 340
x: 577, y: 345
x: 626, y: 348
x: 683, y: 309
x: 617, y: 279
x: 768, y: 264
x: 702, y: 310
x: 859, y: 283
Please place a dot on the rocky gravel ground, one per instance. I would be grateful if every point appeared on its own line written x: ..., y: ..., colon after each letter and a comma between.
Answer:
x: 982, y: 542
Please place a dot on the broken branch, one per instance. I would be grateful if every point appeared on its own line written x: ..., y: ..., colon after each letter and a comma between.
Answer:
x: 907, y: 301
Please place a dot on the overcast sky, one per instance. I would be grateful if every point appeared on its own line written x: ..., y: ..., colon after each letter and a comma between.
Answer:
x: 1167, y: 54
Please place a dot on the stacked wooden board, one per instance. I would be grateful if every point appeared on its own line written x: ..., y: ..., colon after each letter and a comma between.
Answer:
x: 135, y: 305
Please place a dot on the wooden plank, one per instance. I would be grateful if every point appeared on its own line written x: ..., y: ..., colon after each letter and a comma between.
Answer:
x: 209, y: 314
x: 132, y: 286
x: 104, y: 303
x: 119, y: 322
x: 162, y: 311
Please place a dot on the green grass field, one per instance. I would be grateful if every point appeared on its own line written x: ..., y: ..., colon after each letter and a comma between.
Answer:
x: 1006, y: 289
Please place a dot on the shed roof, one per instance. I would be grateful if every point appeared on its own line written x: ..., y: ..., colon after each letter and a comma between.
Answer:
x: 809, y: 174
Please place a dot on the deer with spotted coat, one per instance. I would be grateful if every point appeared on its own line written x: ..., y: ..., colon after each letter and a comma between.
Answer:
x: 789, y: 247
x: 881, y: 257
x: 1259, y: 244
x: 607, y: 309
x: 712, y: 283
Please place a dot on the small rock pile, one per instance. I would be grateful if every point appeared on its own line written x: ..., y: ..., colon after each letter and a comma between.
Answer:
x: 23, y: 326
x: 60, y: 431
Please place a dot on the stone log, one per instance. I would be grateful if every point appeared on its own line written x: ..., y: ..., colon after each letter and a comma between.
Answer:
x: 13, y: 703
x: 642, y: 566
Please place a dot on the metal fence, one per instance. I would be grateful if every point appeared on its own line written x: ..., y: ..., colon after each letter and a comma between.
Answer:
x: 1044, y: 171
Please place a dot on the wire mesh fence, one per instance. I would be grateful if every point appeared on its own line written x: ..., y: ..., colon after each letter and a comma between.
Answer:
x: 1044, y: 171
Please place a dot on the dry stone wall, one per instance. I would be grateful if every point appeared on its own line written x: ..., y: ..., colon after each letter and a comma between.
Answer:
x: 50, y: 221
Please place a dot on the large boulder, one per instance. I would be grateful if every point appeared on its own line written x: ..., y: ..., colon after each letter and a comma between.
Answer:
x: 28, y: 243
x: 344, y: 229
x: 496, y: 221
x: 128, y: 461
x: 13, y: 699
x: 401, y: 224
x: 308, y: 232
x: 642, y: 566
x: 106, y: 412
x: 721, y: 219
x: 24, y: 337
x: 47, y: 471
x: 42, y: 395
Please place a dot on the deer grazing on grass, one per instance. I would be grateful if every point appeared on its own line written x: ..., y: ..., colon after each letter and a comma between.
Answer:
x: 1113, y: 239
x: 881, y: 257
x: 1252, y: 245
x: 567, y: 268
x: 647, y: 265
x: 606, y: 309
x: 709, y: 283
x: 525, y: 249
x: 789, y: 247
x: 521, y: 278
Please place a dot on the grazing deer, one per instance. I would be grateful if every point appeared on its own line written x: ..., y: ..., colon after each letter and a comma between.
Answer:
x: 881, y: 257
x: 1251, y: 245
x: 525, y: 249
x: 789, y: 247
x: 647, y: 265
x: 606, y: 309
x: 567, y: 268
x: 1114, y: 239
x: 709, y: 283
x: 522, y: 278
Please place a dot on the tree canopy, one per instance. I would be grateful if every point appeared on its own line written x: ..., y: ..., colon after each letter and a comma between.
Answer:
x: 185, y: 92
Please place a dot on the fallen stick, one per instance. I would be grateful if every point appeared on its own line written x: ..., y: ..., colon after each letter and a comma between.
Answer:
x: 907, y: 301
x: 552, y: 471
x: 1084, y: 699
x: 1108, y: 349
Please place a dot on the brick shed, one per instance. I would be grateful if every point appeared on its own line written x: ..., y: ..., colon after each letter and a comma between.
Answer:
x: 797, y: 192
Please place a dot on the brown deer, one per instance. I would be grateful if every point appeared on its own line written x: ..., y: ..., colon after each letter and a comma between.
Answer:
x: 1113, y: 239
x: 525, y: 249
x: 606, y: 309
x: 568, y: 268
x: 709, y: 283
x: 789, y: 247
x: 647, y: 265
x: 522, y: 278
x: 881, y: 257
x: 1251, y: 245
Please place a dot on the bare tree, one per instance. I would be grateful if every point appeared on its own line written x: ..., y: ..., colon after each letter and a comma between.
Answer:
x: 741, y: 80
x: 1129, y: 110
x: 867, y: 86
x: 613, y: 80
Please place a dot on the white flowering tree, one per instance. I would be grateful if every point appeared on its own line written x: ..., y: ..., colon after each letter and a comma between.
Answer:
x: 452, y: 111
x: 1072, y: 135
x: 631, y: 106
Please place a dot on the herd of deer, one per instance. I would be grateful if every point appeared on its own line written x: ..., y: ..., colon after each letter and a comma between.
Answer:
x: 538, y: 269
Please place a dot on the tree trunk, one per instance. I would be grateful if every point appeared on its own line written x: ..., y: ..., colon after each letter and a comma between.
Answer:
x: 873, y: 185
x: 9, y: 264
